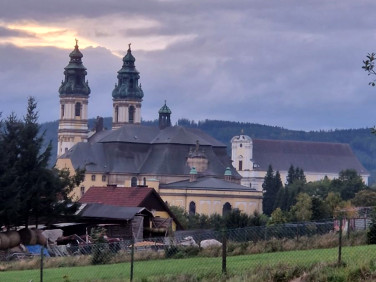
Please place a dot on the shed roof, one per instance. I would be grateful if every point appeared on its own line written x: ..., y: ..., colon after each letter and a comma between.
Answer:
x: 101, y: 211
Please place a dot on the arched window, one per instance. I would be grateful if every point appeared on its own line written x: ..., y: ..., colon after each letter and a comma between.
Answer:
x: 192, y: 208
x: 62, y: 110
x: 134, y: 182
x: 116, y: 114
x: 131, y: 114
x: 77, y: 109
x: 226, y: 208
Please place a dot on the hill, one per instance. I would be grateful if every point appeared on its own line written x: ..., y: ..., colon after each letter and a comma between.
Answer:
x: 362, y: 142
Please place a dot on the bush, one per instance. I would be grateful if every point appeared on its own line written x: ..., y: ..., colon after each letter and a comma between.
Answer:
x: 101, y: 253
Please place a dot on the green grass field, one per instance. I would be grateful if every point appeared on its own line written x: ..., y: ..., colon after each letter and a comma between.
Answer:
x: 198, y: 267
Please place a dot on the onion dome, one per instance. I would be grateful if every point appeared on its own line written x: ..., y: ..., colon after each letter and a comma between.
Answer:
x: 128, y: 76
x: 165, y: 109
x: 75, y: 72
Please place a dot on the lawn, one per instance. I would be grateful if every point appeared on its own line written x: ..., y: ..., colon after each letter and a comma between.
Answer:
x: 200, y: 267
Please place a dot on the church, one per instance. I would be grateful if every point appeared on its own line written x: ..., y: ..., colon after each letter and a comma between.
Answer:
x: 252, y: 157
x: 185, y: 166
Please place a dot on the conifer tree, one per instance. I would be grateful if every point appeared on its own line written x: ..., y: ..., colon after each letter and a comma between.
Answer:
x: 29, y: 188
x: 270, y: 191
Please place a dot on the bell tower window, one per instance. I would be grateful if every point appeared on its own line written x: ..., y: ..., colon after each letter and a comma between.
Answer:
x: 240, y: 165
x: 77, y: 109
x: 62, y: 110
x: 131, y: 114
x: 116, y: 114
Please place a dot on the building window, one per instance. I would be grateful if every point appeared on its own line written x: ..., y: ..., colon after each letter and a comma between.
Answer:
x: 144, y: 181
x: 77, y: 109
x: 134, y: 182
x: 241, y: 145
x: 82, y: 190
x: 226, y: 208
x: 62, y: 110
x: 93, y: 177
x: 116, y: 114
x: 131, y: 83
x: 104, y: 178
x: 131, y: 114
x: 192, y: 208
x: 240, y: 165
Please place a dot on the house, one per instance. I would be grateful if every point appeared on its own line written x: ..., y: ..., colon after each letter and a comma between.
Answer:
x: 163, y: 219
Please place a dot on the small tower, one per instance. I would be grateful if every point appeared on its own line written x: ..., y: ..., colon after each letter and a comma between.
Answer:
x: 127, y: 95
x: 164, y: 117
x: 74, y: 95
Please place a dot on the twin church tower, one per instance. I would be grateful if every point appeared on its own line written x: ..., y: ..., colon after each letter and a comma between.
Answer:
x: 74, y: 96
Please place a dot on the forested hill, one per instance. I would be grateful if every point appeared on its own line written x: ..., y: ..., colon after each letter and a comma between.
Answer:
x: 361, y: 141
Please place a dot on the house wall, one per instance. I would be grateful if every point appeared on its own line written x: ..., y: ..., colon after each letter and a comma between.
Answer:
x: 210, y: 202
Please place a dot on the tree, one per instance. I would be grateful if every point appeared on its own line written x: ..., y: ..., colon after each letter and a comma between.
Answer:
x: 302, y: 210
x: 29, y: 189
x: 9, y: 191
x: 270, y: 186
x: 364, y: 198
x: 333, y: 201
x: 348, y: 184
x: 277, y: 217
x: 290, y: 175
x: 369, y: 66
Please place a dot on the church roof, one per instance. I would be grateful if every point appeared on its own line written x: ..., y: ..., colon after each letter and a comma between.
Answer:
x: 318, y: 157
x: 206, y: 183
x: 138, y: 149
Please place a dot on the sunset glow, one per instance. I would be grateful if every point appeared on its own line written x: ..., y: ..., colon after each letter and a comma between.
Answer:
x: 33, y: 35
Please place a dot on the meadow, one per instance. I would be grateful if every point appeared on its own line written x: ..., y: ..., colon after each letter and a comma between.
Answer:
x: 358, y: 264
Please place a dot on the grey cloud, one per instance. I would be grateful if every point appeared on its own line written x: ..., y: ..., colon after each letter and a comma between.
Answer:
x: 6, y: 32
x: 295, y: 64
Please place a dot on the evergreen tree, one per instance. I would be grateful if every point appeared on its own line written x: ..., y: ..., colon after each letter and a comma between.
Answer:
x: 9, y: 191
x: 290, y: 175
x: 29, y: 189
x: 270, y: 188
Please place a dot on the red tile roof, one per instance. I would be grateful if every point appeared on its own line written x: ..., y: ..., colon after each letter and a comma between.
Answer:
x: 116, y: 196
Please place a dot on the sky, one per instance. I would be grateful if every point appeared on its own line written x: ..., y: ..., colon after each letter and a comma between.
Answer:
x: 294, y: 64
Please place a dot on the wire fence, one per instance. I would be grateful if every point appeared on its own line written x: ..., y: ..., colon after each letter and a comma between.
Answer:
x: 268, y: 251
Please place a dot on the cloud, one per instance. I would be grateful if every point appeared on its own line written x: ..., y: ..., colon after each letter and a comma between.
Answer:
x: 293, y: 64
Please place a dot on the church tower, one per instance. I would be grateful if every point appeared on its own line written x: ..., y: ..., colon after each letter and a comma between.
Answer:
x: 164, y: 116
x: 74, y: 94
x: 127, y: 95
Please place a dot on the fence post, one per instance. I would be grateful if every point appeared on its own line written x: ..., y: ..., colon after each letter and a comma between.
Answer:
x: 340, y: 241
x: 224, y: 251
x: 297, y: 232
x: 41, y: 264
x: 132, y: 258
x: 348, y: 228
